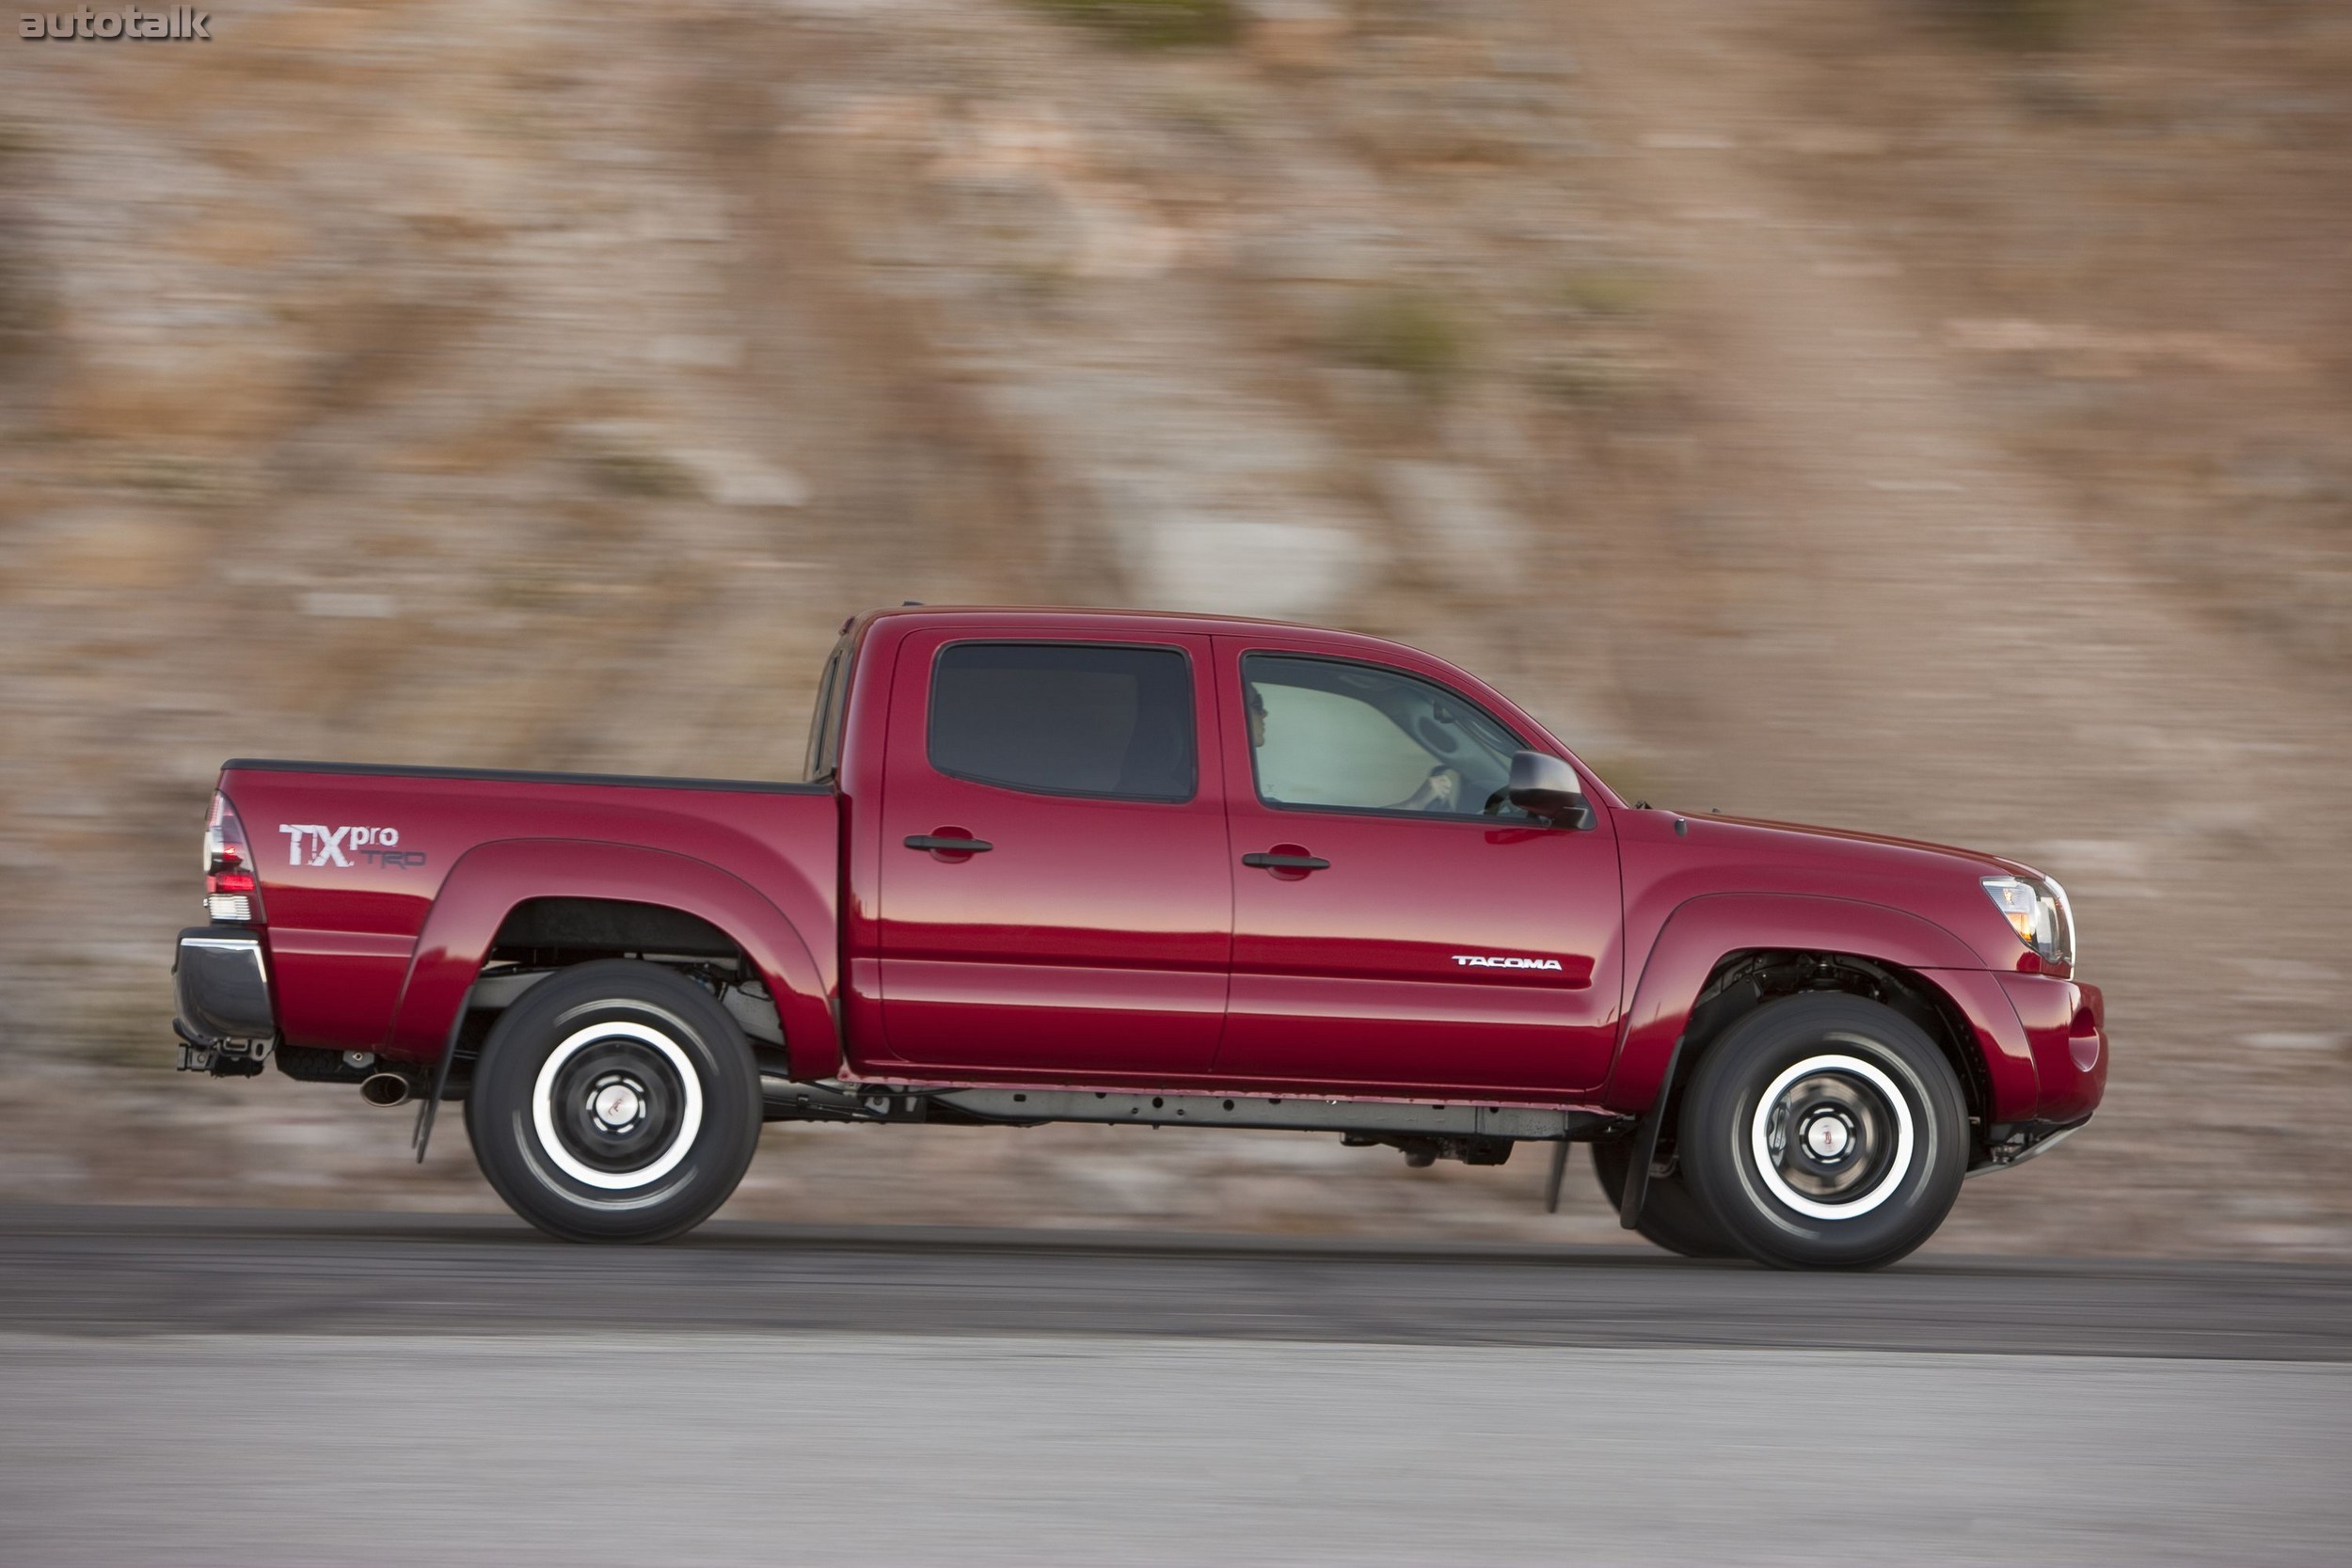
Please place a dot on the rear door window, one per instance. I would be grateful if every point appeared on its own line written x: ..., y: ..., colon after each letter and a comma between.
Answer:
x: 1084, y: 718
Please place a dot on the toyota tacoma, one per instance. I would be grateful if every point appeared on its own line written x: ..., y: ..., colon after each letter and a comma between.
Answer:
x: 1168, y: 870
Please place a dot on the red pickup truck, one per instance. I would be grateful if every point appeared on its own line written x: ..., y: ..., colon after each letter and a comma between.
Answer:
x: 1175, y: 870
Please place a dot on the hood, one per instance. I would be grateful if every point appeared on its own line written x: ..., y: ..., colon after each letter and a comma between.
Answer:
x: 1937, y: 883
x: 1843, y: 846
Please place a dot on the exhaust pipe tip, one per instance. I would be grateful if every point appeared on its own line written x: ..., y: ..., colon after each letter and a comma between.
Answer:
x: 385, y: 1089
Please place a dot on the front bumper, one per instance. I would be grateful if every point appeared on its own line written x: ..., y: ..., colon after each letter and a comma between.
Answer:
x: 220, y: 979
x: 2011, y: 1144
x: 2066, y: 1025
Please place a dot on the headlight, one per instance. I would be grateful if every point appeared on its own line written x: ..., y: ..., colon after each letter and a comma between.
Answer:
x: 2038, y: 912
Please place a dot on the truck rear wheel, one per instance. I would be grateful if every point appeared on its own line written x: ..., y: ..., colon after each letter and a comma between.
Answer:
x: 1825, y: 1130
x: 616, y: 1102
x: 1671, y: 1218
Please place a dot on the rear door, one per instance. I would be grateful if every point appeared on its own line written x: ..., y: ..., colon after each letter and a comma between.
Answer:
x: 1056, y: 898
x: 1398, y: 926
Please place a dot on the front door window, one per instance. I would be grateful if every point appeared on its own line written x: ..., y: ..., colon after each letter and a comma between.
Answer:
x: 1325, y: 734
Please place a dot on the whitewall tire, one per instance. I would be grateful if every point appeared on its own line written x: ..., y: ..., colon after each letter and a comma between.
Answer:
x: 1825, y: 1131
x: 614, y: 1101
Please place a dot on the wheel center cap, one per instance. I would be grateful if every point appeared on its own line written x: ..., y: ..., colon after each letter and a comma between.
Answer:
x: 618, y: 1104
x: 1828, y: 1137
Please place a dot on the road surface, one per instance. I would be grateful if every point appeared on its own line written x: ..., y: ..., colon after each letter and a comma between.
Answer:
x: 265, y: 1388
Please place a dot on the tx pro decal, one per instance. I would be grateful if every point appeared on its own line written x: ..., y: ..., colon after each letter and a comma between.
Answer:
x: 346, y: 846
x: 1475, y: 960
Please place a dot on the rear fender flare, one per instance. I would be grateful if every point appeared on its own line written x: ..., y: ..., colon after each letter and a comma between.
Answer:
x: 490, y: 879
x: 1703, y: 931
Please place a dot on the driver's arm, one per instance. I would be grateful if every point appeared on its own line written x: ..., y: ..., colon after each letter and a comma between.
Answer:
x: 1441, y: 791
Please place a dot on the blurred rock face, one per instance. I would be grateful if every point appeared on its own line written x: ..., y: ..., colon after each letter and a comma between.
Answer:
x: 1921, y: 418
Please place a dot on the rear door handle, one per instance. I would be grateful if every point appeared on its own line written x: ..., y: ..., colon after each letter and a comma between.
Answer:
x: 952, y: 846
x: 1286, y: 862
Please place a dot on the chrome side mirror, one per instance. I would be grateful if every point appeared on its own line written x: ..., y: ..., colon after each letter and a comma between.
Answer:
x: 1548, y: 788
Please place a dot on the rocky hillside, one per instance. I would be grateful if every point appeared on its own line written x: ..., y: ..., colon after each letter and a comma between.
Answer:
x: 1876, y: 414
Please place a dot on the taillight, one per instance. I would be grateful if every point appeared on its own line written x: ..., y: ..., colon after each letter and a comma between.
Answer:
x: 230, y: 889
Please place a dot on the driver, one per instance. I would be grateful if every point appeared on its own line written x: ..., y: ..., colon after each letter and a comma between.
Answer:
x: 1440, y: 791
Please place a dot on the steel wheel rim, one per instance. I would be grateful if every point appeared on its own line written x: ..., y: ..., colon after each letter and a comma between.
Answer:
x: 1839, y: 1126
x: 594, y: 1089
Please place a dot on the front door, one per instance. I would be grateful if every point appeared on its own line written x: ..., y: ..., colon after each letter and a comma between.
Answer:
x: 1055, y: 891
x: 1398, y: 926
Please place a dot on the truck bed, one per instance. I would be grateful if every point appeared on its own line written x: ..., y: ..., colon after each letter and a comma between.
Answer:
x: 382, y: 884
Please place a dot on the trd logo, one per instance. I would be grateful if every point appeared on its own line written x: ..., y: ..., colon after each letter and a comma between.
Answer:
x: 337, y: 845
x: 1472, y: 961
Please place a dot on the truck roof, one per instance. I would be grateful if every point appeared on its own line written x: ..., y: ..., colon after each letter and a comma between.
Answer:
x: 1140, y: 621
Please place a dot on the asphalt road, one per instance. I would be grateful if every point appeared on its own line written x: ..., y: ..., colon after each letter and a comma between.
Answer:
x: 132, y: 1271
x: 261, y: 1389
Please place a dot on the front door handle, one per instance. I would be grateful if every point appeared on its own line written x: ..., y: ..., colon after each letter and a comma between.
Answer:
x: 948, y: 846
x: 1286, y: 862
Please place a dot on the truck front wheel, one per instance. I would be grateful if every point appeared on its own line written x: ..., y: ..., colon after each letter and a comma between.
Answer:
x: 1825, y: 1130
x: 616, y: 1101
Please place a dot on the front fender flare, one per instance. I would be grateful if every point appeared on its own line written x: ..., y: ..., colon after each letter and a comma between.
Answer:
x: 1703, y: 931
x: 490, y: 879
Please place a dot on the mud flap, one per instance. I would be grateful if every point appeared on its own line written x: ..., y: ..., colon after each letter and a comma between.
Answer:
x: 1646, y: 1145
x: 423, y: 1134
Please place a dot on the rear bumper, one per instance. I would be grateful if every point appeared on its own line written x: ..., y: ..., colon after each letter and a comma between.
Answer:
x: 220, y: 979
